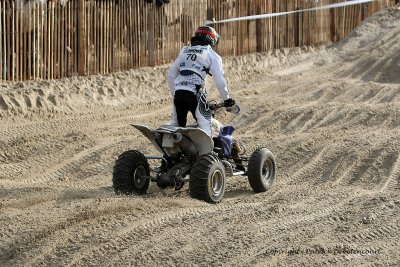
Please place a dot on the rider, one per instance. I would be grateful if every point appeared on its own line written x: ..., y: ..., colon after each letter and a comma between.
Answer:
x: 186, y: 79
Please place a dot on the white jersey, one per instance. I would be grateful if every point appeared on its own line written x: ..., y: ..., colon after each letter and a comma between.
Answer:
x: 190, y: 69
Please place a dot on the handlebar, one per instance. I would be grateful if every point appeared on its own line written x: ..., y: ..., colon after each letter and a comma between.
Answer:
x: 215, y: 106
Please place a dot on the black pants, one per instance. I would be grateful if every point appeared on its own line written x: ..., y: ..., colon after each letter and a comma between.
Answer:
x: 184, y: 102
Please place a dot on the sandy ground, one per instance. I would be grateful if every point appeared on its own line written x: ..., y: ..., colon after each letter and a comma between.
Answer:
x: 330, y: 115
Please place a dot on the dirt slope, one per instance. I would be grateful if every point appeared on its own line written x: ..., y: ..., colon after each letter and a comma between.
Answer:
x: 330, y: 115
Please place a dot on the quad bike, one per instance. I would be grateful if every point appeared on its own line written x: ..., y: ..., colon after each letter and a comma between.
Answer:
x: 190, y: 155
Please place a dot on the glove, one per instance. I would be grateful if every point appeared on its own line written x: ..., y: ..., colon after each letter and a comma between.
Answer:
x: 229, y: 102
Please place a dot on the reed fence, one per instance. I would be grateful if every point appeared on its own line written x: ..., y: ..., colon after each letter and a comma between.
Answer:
x: 52, y: 39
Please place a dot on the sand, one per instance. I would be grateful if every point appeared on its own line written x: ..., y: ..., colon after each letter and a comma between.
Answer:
x: 330, y: 115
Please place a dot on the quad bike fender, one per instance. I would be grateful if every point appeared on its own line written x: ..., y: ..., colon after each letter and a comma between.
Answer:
x: 146, y: 131
x: 200, y: 138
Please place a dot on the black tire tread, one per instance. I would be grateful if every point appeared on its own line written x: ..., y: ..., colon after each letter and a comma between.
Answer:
x: 198, y: 186
x: 256, y: 182
x: 124, y: 166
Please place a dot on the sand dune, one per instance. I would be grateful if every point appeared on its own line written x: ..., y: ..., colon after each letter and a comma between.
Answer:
x: 330, y: 115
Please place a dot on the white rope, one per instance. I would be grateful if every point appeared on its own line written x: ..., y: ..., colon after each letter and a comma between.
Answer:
x: 342, y: 4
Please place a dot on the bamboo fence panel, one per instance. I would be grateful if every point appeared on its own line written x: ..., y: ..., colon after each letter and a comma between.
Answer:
x: 17, y: 39
x: 82, y: 37
x: 1, y: 40
x: 5, y: 41
x: 11, y: 52
x: 6, y: 65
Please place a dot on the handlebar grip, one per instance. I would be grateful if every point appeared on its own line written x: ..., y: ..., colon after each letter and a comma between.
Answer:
x: 217, y: 106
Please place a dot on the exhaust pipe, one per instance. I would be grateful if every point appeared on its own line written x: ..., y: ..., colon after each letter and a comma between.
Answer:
x: 184, y: 144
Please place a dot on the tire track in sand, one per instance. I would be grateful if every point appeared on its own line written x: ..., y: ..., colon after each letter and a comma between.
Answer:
x: 269, y: 229
x: 392, y: 183
x: 135, y: 232
x: 366, y: 237
x: 10, y: 170
x: 29, y: 240
x: 313, y: 163
x: 60, y: 126
x: 57, y: 172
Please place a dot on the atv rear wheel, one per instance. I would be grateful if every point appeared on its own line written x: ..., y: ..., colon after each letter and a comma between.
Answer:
x: 129, y: 173
x: 261, y: 170
x: 207, y: 179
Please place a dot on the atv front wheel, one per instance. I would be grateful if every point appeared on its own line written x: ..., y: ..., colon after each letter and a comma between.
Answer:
x: 261, y: 170
x: 129, y: 173
x: 207, y: 179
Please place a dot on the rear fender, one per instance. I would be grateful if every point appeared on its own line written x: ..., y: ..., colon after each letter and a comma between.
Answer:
x: 200, y: 138
x: 149, y: 134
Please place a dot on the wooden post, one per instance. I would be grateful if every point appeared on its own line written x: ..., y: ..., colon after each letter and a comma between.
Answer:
x: 150, y: 32
x: 31, y: 41
x: 52, y: 47
x: 109, y: 39
x: 130, y: 33
x: 101, y: 37
x: 57, y: 43
x: 21, y: 44
x: 40, y: 46
x: 49, y: 19
x: 117, y: 36
x: 18, y: 36
x: 81, y: 37
x: 2, y: 56
x: 95, y: 38
x: 69, y: 44
x: 63, y: 46
x: 8, y: 38
x: 259, y: 31
x: 45, y: 66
